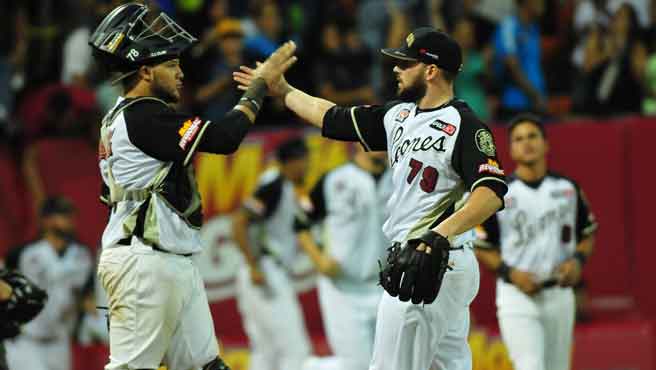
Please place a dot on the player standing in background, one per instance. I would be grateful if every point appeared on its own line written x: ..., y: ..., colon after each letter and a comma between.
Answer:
x: 537, y: 246
x: 264, y: 232
x: 438, y: 149
x: 59, y: 265
x: 158, y: 309
x: 349, y: 203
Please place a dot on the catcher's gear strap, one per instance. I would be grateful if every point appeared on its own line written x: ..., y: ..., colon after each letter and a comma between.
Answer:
x: 143, y: 219
x: 216, y: 364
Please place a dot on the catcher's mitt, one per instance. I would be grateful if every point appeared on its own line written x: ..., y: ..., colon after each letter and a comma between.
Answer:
x: 26, y: 300
x: 414, y: 274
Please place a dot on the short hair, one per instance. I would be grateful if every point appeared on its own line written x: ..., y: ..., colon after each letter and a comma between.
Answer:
x: 130, y: 82
x: 449, y: 76
x: 531, y: 118
x: 290, y: 149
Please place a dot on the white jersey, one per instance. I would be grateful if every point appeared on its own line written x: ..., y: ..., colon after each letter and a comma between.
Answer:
x: 351, y: 203
x: 541, y: 224
x: 143, y: 139
x: 435, y: 156
x: 273, y: 208
x: 62, y: 276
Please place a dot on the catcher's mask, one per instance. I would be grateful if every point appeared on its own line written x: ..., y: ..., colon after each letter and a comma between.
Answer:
x: 132, y: 35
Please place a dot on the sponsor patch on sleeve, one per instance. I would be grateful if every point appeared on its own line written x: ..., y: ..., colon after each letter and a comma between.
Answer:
x: 491, y: 167
x: 188, y: 132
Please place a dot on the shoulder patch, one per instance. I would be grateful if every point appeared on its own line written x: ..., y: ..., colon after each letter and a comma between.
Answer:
x: 402, y: 115
x: 485, y: 142
x: 188, y: 131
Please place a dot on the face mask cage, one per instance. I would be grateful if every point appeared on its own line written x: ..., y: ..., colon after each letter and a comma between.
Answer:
x: 162, y: 27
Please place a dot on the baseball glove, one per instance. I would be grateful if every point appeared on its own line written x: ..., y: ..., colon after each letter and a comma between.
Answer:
x: 415, y: 274
x: 26, y: 300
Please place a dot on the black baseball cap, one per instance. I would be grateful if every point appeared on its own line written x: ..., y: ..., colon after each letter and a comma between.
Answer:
x: 56, y: 205
x: 290, y: 149
x: 429, y: 46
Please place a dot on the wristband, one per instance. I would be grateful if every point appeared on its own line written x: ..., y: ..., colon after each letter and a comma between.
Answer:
x: 581, y: 257
x: 503, y: 271
x: 254, y: 96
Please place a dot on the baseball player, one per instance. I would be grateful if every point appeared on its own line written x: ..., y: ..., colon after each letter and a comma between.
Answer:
x: 158, y: 308
x: 437, y: 150
x: 264, y: 231
x: 537, y: 246
x: 59, y: 265
x: 20, y: 302
x: 349, y: 203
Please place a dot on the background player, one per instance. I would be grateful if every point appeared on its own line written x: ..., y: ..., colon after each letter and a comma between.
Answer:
x: 264, y: 232
x: 61, y: 266
x: 437, y: 149
x: 158, y: 307
x: 537, y: 246
x: 349, y: 202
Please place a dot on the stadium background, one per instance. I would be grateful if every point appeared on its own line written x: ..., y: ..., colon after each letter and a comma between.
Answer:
x: 49, y: 128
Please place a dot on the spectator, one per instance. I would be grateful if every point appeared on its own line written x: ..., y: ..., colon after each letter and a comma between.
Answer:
x: 518, y: 60
x: 469, y: 83
x: 13, y: 47
x: 613, y: 67
x: 268, y: 25
x: 220, y: 94
x: 338, y: 70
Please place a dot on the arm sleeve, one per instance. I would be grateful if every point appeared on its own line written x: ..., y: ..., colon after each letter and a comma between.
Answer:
x: 167, y: 135
x: 304, y: 220
x: 586, y: 223
x: 487, y: 234
x: 362, y: 123
x: 264, y: 202
x: 475, y: 158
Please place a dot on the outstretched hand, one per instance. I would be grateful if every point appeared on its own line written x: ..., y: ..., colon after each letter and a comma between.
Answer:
x: 271, y: 71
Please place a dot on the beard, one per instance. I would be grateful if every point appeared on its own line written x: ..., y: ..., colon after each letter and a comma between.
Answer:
x: 412, y: 93
x: 380, y: 164
x: 65, y: 234
x: 165, y: 94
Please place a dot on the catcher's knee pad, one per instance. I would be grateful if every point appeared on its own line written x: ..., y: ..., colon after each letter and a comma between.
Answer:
x: 216, y: 364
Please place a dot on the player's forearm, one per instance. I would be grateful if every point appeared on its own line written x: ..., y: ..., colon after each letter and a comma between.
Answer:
x: 310, y: 108
x: 585, y: 247
x: 521, y: 80
x: 482, y: 203
x: 309, y: 246
x: 491, y: 258
x: 240, y: 235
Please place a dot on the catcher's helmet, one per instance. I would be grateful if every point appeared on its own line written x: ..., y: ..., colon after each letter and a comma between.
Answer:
x: 131, y: 36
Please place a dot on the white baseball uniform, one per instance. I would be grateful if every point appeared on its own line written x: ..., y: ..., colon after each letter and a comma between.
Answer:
x: 158, y: 309
x: 271, y: 313
x: 350, y: 202
x: 45, y: 342
x: 435, y: 156
x: 539, y: 229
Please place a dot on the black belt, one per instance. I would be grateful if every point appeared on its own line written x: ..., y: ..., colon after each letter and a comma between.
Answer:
x: 397, y: 244
x: 155, y: 247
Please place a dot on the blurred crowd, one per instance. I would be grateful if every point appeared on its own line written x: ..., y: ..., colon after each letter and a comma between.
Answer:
x: 555, y: 57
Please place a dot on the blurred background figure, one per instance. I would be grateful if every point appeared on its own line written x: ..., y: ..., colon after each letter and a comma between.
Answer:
x: 61, y: 266
x: 264, y: 230
x: 518, y: 63
x: 219, y: 95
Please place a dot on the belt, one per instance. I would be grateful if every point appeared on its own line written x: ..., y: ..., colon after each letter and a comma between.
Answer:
x: 155, y: 247
x: 397, y: 244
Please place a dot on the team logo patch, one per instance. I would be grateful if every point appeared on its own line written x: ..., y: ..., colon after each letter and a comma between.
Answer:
x: 403, y: 115
x: 188, y: 132
x: 485, y: 142
x: 447, y: 128
x: 410, y: 39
